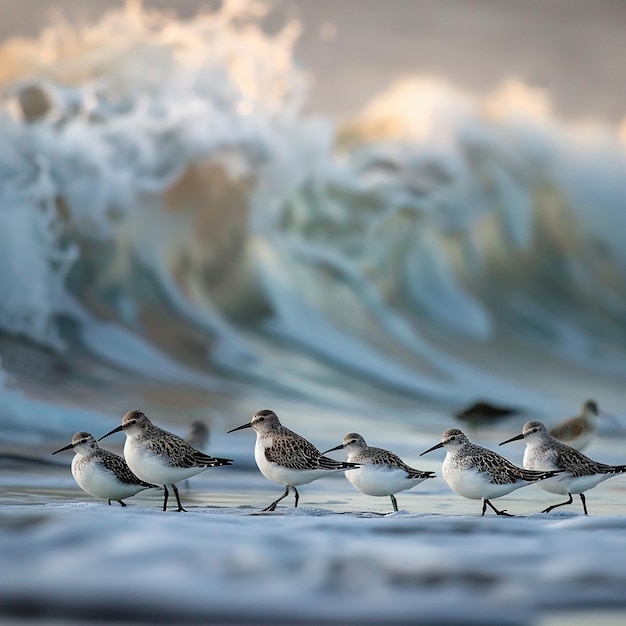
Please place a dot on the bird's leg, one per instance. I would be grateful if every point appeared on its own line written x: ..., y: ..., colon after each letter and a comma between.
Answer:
x: 272, y: 506
x: 122, y: 503
x: 395, y: 503
x: 554, y: 506
x: 503, y: 512
x: 582, y: 497
x: 180, y: 506
x: 166, y: 494
x: 297, y: 497
x: 109, y: 501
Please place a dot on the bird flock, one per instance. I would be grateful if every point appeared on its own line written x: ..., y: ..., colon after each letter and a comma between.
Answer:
x: 155, y: 458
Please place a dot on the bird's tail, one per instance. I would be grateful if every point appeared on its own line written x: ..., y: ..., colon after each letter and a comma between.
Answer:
x: 534, y: 476
x: 204, y: 460
x: 348, y: 465
x: 420, y: 474
x: 613, y: 469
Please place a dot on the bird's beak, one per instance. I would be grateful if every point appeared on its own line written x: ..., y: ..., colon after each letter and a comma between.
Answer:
x: 69, y: 446
x: 435, y: 447
x: 516, y: 438
x: 240, y: 428
x: 339, y: 447
x: 115, y: 430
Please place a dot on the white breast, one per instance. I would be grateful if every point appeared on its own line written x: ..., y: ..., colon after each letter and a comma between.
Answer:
x: 280, y: 474
x: 380, y: 480
x: 473, y: 484
x: 535, y: 460
x: 100, y: 482
x: 154, y: 468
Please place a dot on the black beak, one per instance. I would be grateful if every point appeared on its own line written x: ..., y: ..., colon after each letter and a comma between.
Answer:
x: 516, y: 438
x: 115, y: 430
x: 339, y: 447
x: 67, y: 447
x: 240, y: 428
x: 435, y: 447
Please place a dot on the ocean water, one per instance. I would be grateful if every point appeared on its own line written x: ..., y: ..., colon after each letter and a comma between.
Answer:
x: 180, y: 233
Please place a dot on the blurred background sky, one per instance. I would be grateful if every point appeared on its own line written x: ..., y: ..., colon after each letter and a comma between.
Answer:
x: 354, y: 49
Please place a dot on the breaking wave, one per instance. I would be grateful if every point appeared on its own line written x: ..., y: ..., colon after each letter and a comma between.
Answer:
x: 166, y: 202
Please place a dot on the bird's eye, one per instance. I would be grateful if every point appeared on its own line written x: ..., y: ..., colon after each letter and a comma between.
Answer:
x: 133, y: 421
x: 261, y: 419
x: 453, y: 438
x: 353, y: 441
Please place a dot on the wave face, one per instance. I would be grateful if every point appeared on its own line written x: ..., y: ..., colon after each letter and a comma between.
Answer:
x: 166, y: 201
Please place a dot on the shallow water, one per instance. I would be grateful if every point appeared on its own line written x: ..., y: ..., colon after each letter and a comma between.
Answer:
x: 340, y: 557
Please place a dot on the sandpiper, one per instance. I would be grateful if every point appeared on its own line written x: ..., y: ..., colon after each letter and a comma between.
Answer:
x: 382, y: 473
x: 477, y: 473
x: 197, y: 435
x: 482, y: 412
x: 159, y: 456
x: 101, y: 473
x: 580, y: 473
x: 578, y: 431
x: 287, y: 458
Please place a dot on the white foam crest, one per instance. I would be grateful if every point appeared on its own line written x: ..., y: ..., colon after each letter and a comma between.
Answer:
x: 494, y: 180
x: 510, y: 138
x: 223, y: 55
x: 34, y: 260
x: 128, y: 104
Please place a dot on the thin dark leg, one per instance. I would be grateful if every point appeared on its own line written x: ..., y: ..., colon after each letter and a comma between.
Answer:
x: 109, y: 501
x: 395, y: 504
x: 554, y: 506
x: 503, y: 512
x: 582, y: 497
x: 297, y: 497
x: 166, y: 494
x: 180, y: 506
x: 272, y: 506
x: 122, y: 503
